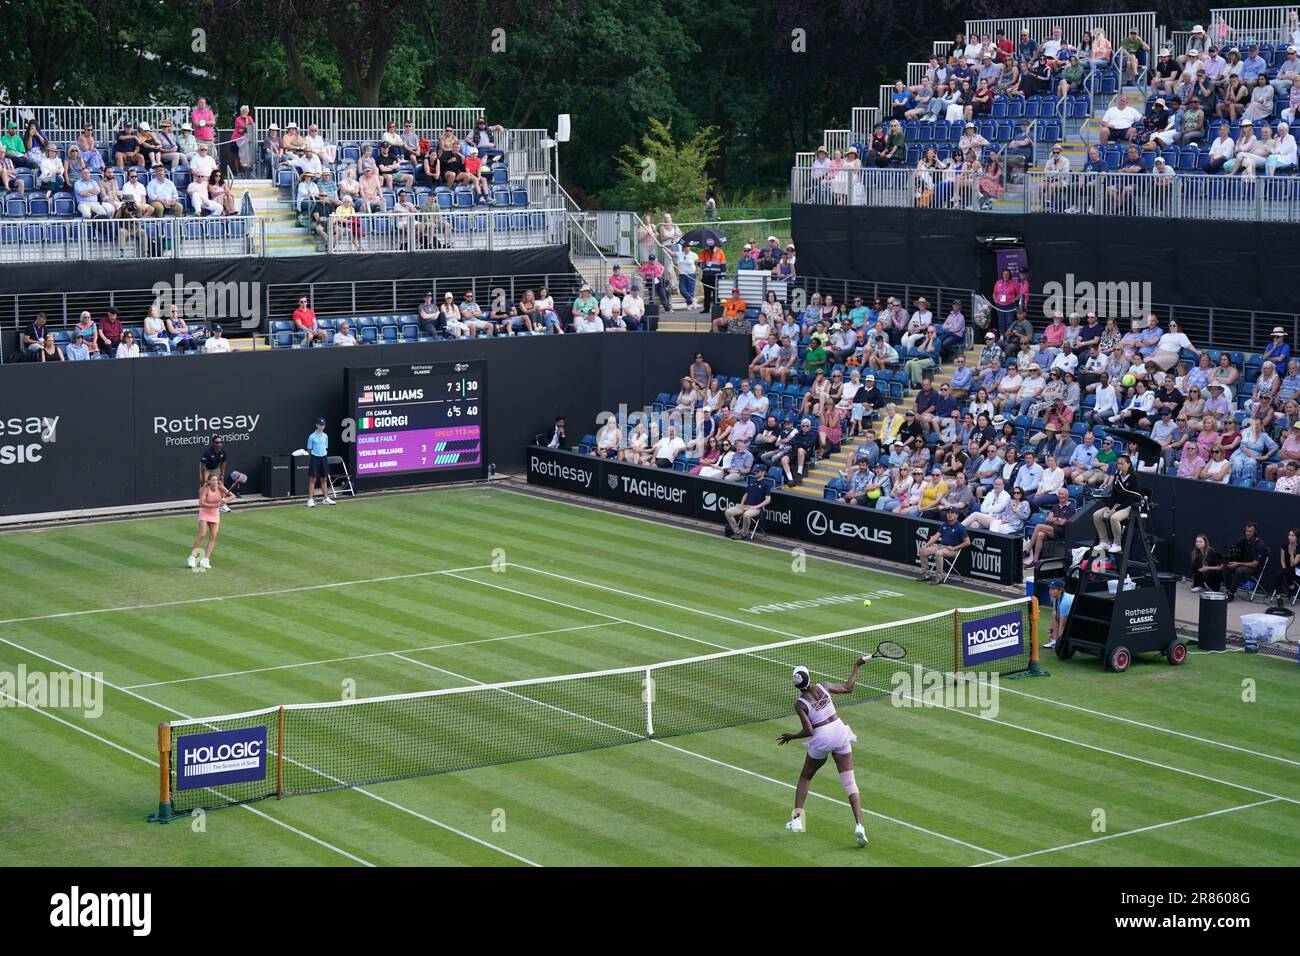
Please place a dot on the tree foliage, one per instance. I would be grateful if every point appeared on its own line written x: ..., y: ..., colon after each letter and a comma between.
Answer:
x: 769, y: 75
x: 664, y: 173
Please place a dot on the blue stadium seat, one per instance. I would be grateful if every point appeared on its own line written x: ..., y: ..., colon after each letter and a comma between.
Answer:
x: 1016, y: 107
x: 388, y: 328
x: 38, y: 205
x: 15, y: 207
x: 281, y: 334
x: 463, y: 197
x: 367, y: 329
x: 519, y: 195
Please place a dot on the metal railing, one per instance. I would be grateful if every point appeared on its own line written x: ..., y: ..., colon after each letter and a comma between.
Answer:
x: 403, y: 296
x: 837, y: 139
x: 897, y: 187
x: 1192, y: 196
x: 1116, y: 25
x: 65, y: 123
x: 1239, y: 25
x: 863, y: 121
x: 210, y: 237
x: 354, y: 123
x: 481, y: 228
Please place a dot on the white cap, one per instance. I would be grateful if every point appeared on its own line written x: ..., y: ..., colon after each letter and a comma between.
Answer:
x: 144, y: 127
x: 1198, y: 29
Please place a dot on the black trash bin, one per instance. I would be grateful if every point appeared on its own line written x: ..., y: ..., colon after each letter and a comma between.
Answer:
x: 1212, y: 621
x: 301, y: 463
x: 276, y: 482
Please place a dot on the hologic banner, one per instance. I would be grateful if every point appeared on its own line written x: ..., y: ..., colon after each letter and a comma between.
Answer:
x: 865, y: 531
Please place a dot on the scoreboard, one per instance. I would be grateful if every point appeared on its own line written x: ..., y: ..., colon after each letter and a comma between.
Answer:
x: 417, y: 423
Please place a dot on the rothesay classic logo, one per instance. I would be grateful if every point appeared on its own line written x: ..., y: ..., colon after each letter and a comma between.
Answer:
x: 23, y: 440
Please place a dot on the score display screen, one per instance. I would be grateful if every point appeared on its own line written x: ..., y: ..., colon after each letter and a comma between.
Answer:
x: 415, y: 421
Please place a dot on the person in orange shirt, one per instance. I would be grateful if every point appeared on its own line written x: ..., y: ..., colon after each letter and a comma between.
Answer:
x: 733, y: 314
x: 712, y: 264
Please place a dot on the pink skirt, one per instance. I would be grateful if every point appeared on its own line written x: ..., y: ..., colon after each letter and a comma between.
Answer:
x: 836, y: 737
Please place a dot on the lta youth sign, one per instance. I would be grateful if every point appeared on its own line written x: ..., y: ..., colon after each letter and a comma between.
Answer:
x: 220, y: 757
x: 992, y: 638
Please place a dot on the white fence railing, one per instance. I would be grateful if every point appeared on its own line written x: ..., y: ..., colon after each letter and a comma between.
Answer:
x: 40, y: 240
x: 347, y: 123
x: 1192, y: 196
x: 65, y: 123
x: 1214, y: 198
x: 1238, y: 25
x: 862, y: 187
x: 1116, y: 25
x: 837, y: 139
x: 480, y: 228
x: 863, y: 122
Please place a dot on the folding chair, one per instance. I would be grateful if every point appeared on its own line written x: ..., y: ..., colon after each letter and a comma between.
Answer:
x: 344, y: 480
x: 950, y: 570
x: 757, y: 526
x: 1256, y: 581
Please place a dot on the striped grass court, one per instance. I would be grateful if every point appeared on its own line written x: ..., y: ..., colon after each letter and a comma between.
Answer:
x: 1195, y: 765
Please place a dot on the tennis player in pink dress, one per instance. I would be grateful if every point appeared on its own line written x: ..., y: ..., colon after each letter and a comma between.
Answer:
x: 211, y: 497
x: 827, y: 735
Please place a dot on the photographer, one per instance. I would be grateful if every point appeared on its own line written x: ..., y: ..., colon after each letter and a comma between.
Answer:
x: 127, y: 220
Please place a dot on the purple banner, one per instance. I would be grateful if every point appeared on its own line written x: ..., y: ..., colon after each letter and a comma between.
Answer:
x: 1017, y: 260
x: 992, y: 638
x: 220, y: 757
x: 420, y: 449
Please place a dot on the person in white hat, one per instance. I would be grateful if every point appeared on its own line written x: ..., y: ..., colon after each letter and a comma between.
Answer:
x: 169, y: 144
x: 150, y: 148
x: 1287, y: 74
x: 272, y: 151
x: 187, y: 143
x: 292, y: 142
x: 1196, y: 44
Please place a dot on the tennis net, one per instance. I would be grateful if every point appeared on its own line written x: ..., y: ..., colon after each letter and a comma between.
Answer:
x: 304, y: 748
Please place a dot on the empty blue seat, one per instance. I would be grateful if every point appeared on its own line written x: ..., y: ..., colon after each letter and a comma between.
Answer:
x: 519, y: 195
x: 15, y: 207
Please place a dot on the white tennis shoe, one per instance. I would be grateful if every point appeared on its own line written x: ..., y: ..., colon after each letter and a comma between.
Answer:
x: 311, y: 502
x: 860, y: 834
x: 192, y: 561
x: 796, y: 822
x: 330, y: 501
x: 204, y: 564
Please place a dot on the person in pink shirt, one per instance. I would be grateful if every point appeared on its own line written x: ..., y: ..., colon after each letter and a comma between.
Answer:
x: 618, y: 280
x: 204, y: 120
x: 653, y: 273
x: 1054, y: 334
x: 1006, y: 294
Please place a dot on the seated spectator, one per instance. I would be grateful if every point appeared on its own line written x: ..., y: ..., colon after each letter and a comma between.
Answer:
x: 471, y: 314
x: 77, y: 350
x: 1119, y: 122
x: 216, y: 342
x: 182, y: 338
x: 1217, y: 468
x: 1246, y: 560
x: 162, y: 195
x: 944, y: 545
x: 128, y: 347
x: 201, y: 200
x: 1058, y: 518
x: 155, y: 330
x: 86, y: 190
x: 993, y: 506
x: 304, y: 323
x: 343, y: 337
x: 668, y: 448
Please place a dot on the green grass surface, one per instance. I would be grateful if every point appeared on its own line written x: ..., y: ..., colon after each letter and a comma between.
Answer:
x: 1184, y: 770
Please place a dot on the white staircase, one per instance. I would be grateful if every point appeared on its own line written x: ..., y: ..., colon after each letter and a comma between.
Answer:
x: 284, y: 236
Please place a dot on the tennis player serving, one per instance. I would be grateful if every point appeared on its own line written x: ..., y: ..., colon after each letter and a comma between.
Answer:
x: 827, y: 735
x: 212, y: 495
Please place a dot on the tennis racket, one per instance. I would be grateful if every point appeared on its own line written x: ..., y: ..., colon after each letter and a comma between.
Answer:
x: 891, y: 650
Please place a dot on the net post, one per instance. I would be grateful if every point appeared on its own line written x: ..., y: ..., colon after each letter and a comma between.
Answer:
x: 956, y: 640
x: 164, y: 814
x: 649, y: 702
x: 1035, y: 669
x: 279, y: 759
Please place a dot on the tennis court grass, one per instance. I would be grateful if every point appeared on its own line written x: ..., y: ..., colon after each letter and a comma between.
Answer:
x: 1190, y: 765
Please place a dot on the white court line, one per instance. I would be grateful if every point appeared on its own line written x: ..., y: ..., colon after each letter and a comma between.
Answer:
x: 857, y: 566
x: 1116, y: 836
x: 154, y: 763
x: 696, y: 640
x: 1003, y: 689
x: 361, y: 657
x: 691, y: 753
x: 236, y: 597
x: 183, y: 716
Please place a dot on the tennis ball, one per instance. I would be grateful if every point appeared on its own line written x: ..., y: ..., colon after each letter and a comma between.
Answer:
x: 866, y: 602
x: 1128, y: 381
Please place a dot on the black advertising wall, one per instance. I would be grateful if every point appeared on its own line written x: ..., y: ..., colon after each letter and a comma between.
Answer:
x: 1184, y: 509
x: 865, y: 531
x: 1237, y: 268
x: 99, y: 434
